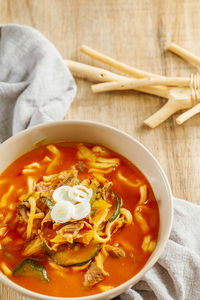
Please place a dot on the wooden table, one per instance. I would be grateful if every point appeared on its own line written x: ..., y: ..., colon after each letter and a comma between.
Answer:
x: 135, y: 32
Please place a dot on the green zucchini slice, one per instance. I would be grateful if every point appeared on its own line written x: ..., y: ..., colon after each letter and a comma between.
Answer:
x: 73, y: 256
x: 29, y: 267
x: 117, y: 208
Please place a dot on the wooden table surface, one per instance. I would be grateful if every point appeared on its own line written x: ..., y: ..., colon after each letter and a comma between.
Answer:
x: 135, y: 32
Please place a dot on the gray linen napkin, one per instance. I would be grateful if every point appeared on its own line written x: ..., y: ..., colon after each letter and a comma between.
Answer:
x: 176, y: 275
x: 36, y: 87
x: 35, y: 84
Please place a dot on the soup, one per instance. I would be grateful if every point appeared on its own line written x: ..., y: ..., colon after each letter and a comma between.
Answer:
x: 75, y: 220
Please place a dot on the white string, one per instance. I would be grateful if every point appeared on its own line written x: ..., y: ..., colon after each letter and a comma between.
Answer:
x: 195, y: 87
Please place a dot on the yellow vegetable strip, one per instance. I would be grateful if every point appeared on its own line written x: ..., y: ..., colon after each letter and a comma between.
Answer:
x: 102, y: 204
x: 127, y: 181
x: 100, y: 178
x: 100, y: 217
x: 143, y: 194
x: 32, y: 203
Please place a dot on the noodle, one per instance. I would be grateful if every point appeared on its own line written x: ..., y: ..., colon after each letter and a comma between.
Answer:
x: 55, y: 160
x: 127, y: 181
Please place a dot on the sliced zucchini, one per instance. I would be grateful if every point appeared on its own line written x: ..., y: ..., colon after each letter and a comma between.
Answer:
x: 74, y: 256
x: 117, y: 208
x: 29, y: 267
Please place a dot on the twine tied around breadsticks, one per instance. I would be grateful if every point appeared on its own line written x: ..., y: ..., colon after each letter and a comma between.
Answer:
x: 182, y: 93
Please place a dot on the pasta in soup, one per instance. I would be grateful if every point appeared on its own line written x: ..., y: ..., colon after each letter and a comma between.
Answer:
x: 75, y: 220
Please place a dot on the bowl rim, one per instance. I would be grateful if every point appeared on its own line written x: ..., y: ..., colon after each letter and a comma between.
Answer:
x: 127, y: 284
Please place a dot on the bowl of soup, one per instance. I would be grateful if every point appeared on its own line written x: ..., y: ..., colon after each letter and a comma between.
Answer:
x: 85, y: 211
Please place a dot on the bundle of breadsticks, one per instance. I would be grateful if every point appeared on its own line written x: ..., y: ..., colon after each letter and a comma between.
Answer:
x: 181, y: 93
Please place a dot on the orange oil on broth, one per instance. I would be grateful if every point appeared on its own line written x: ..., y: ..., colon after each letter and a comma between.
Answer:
x: 69, y: 283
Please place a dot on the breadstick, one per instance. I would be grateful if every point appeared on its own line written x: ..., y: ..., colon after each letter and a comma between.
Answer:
x: 188, y: 114
x: 124, y: 68
x: 129, y: 84
x: 91, y: 73
x: 98, y: 74
x: 185, y: 54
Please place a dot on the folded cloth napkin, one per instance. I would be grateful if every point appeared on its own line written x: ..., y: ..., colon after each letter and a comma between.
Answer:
x: 35, y: 84
x: 36, y: 87
x: 176, y: 275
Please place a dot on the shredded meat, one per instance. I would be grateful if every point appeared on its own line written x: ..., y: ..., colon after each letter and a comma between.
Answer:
x: 52, y: 182
x: 22, y: 212
x: 85, y: 236
x: 70, y: 232
x: 115, y: 252
x: 93, y: 275
x: 96, y: 273
x: 42, y: 204
x: 72, y: 227
x: 46, y: 219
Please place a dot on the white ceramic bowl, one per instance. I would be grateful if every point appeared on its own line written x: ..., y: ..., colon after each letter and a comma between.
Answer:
x: 117, y: 141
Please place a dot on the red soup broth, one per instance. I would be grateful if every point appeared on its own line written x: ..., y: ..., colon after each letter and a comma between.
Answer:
x: 66, y: 282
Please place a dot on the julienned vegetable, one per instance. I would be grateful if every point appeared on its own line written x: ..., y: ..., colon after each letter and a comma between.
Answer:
x: 74, y: 256
x: 117, y: 209
x: 29, y: 267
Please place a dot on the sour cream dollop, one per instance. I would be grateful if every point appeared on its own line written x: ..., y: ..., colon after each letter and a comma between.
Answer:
x: 71, y: 203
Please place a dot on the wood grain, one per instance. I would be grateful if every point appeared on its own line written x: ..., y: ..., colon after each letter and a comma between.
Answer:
x: 135, y: 32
